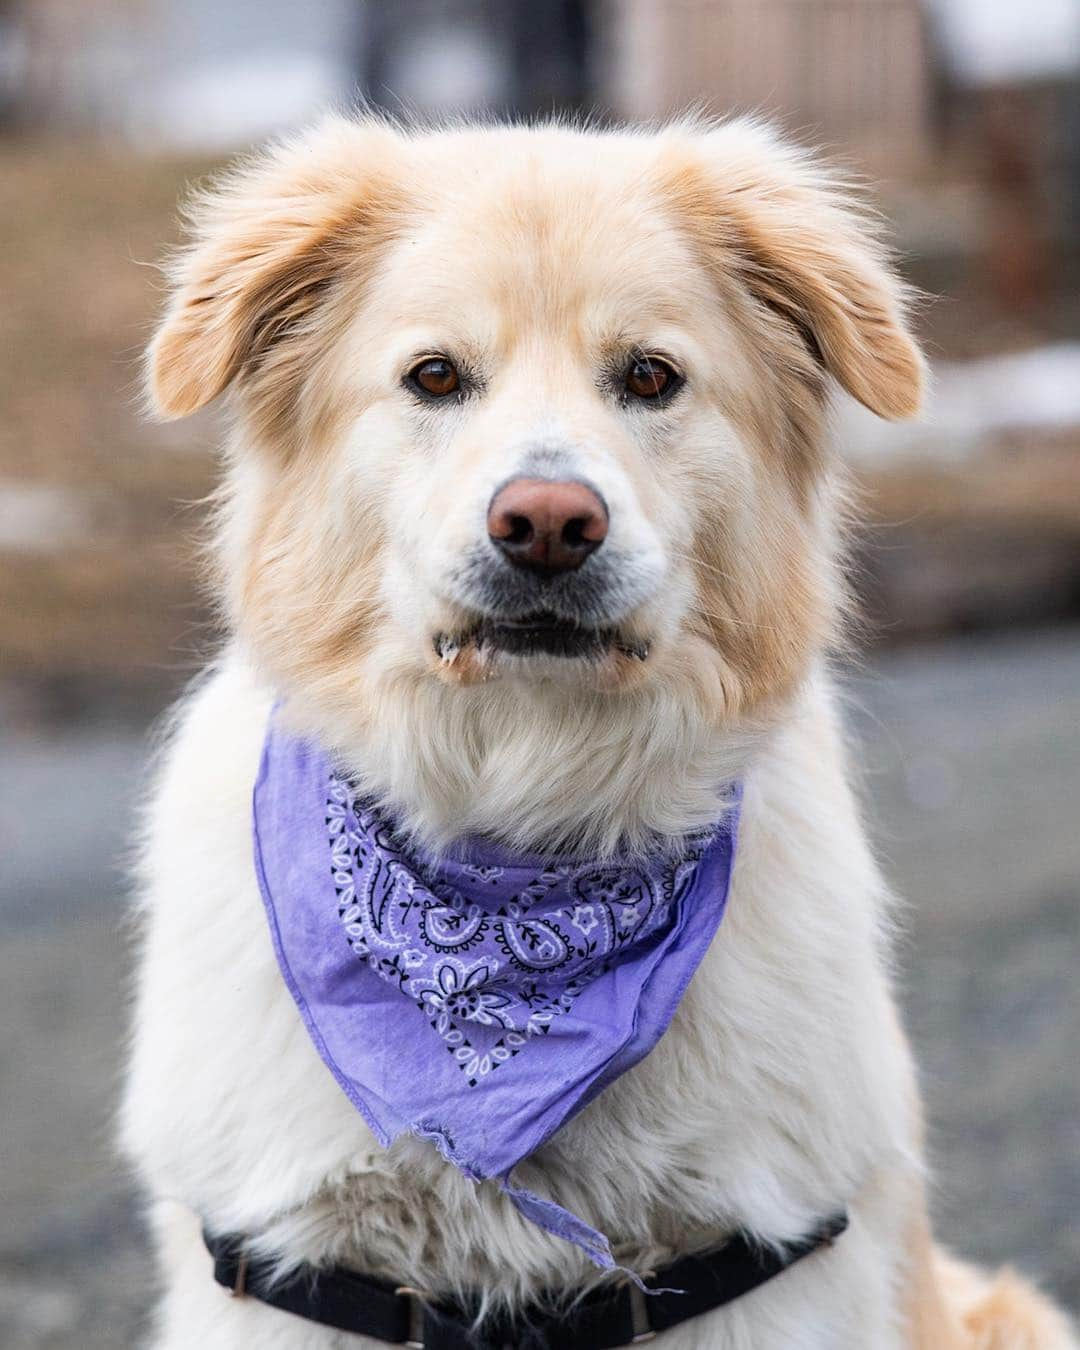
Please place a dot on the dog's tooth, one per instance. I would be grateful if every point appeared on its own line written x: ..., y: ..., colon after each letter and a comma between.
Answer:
x: 638, y: 650
x: 446, y: 649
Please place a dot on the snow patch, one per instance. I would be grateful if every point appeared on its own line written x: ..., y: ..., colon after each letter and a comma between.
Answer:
x: 41, y: 518
x: 969, y: 402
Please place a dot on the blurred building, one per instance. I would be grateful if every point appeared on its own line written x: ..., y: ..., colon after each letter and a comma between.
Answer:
x: 1009, y: 105
x: 199, y: 74
x: 858, y: 74
x: 175, y: 73
x: 187, y: 72
x: 883, y: 79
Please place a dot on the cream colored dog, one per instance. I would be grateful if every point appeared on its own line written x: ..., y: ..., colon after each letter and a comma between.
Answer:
x: 406, y: 324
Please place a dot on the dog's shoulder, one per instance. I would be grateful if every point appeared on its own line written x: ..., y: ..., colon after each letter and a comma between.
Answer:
x: 200, y: 797
x: 212, y: 1011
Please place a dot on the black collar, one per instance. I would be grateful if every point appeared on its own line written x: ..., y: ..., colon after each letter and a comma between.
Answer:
x: 612, y: 1316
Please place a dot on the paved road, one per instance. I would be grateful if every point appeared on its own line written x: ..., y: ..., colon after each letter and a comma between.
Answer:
x: 971, y: 761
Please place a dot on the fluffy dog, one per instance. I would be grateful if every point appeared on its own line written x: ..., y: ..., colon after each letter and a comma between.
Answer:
x: 632, y: 334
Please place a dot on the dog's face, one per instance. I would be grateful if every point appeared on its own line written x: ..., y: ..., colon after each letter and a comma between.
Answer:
x: 532, y: 406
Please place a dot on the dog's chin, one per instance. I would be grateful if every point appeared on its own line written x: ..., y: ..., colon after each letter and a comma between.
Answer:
x: 542, y: 645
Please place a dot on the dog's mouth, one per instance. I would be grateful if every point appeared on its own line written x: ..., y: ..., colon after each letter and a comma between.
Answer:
x: 540, y: 634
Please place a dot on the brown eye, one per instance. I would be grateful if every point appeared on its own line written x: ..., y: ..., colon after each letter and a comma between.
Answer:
x: 651, y: 377
x: 435, y: 377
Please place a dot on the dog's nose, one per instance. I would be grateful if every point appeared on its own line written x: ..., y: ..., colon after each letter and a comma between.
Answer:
x: 549, y: 527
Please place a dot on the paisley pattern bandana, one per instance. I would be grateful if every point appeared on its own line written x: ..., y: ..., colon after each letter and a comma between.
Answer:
x: 478, y: 1000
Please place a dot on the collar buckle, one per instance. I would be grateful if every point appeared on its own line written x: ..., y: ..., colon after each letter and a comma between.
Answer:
x: 639, y: 1315
x: 239, y: 1285
x: 417, y: 1302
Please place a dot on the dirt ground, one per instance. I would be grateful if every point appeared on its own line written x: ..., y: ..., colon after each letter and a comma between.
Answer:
x: 971, y: 763
x: 96, y: 532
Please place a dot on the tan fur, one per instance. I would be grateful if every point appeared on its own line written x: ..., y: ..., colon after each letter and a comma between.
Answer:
x: 999, y: 1312
x: 541, y: 258
x: 287, y: 246
x: 272, y: 237
x: 810, y: 254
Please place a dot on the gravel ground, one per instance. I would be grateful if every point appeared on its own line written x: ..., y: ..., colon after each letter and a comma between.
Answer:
x: 971, y: 754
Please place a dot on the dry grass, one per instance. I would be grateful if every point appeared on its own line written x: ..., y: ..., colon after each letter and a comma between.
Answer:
x: 1026, y: 480
x: 78, y: 306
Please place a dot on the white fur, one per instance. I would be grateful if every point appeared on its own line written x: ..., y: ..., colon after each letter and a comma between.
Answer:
x: 781, y: 1091
x: 352, y: 541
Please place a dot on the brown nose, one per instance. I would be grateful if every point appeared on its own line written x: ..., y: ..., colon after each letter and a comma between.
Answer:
x: 549, y: 527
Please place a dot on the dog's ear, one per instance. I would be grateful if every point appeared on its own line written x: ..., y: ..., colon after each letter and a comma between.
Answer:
x: 805, y: 248
x: 266, y: 240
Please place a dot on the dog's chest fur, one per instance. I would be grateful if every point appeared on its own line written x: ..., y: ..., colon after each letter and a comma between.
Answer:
x: 779, y: 1094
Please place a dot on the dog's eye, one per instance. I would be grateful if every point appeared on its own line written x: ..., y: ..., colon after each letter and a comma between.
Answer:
x: 436, y: 377
x: 651, y: 377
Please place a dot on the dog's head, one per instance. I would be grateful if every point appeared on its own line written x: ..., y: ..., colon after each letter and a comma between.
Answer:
x: 532, y: 406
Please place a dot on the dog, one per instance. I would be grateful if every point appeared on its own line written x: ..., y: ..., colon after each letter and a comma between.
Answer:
x: 529, y: 521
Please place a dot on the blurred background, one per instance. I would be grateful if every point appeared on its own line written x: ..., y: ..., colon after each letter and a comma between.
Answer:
x: 965, y: 114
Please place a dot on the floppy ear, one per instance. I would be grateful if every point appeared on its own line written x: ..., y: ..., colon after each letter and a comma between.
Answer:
x: 266, y: 240
x: 806, y: 249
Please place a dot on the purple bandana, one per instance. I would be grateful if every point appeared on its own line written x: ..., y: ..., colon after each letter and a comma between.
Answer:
x: 481, y: 1000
